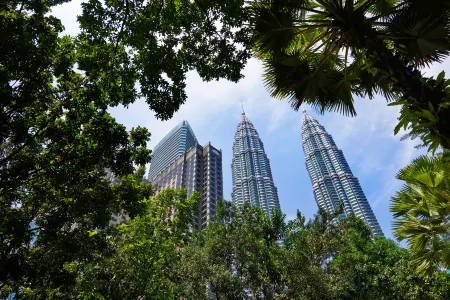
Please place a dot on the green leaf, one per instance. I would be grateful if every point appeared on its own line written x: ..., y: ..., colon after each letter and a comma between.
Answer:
x: 398, y: 126
x: 440, y: 78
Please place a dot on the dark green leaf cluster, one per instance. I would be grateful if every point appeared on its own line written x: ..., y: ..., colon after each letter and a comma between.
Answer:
x: 422, y: 211
x: 235, y: 256
x: 244, y: 254
x: 141, y: 254
x: 57, y: 137
x: 429, y: 122
x: 155, y: 43
x: 323, y: 52
x: 56, y: 140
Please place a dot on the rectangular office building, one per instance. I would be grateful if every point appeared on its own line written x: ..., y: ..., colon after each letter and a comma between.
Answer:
x: 197, y: 169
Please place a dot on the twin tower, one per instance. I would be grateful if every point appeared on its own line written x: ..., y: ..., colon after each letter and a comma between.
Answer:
x: 179, y: 161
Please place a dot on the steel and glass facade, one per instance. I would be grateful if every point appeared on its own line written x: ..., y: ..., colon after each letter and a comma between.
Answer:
x: 198, y: 169
x: 194, y: 168
x: 250, y: 167
x: 212, y: 189
x: 331, y: 177
x: 172, y: 146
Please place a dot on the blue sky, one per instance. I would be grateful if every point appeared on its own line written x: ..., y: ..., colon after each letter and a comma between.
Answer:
x: 213, y: 109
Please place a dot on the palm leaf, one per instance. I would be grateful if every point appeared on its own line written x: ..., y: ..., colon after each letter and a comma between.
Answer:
x: 422, y: 210
x: 422, y: 33
x: 389, y: 41
x: 305, y: 77
x: 274, y: 30
x: 380, y: 7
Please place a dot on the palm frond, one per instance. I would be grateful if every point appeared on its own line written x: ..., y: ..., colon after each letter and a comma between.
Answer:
x: 389, y: 41
x: 422, y: 33
x: 423, y: 163
x: 305, y: 77
x: 422, y: 210
x: 274, y: 29
x: 381, y: 7
x: 426, y: 263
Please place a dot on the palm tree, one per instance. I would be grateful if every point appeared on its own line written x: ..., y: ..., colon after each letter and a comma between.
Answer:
x: 323, y: 52
x: 422, y: 211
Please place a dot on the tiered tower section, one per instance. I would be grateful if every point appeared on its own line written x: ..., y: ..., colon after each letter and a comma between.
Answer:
x: 331, y: 176
x: 252, y: 176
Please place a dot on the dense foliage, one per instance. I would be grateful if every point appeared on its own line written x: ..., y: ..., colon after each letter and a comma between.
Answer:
x: 56, y: 136
x: 243, y: 254
x: 240, y: 255
x: 422, y: 211
x: 322, y: 52
x: 139, y: 257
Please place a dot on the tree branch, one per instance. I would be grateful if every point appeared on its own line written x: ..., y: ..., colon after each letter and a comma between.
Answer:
x: 15, y: 152
x: 336, y: 47
x: 3, y: 234
x: 125, y: 19
x: 28, y: 175
x: 205, y: 12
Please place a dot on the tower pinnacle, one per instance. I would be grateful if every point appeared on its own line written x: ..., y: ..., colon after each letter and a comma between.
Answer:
x: 303, y: 109
x: 242, y: 104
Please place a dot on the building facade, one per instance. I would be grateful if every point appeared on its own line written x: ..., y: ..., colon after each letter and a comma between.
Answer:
x: 199, y: 168
x: 172, y: 146
x: 250, y: 167
x: 212, y: 189
x: 333, y: 181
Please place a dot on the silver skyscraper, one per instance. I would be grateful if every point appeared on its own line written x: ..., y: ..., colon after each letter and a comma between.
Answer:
x: 179, y: 161
x: 172, y: 146
x: 331, y: 176
x: 250, y: 167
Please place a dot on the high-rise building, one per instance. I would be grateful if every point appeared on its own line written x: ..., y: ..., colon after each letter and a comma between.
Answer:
x: 331, y: 177
x: 212, y: 189
x: 196, y: 169
x: 250, y: 167
x: 172, y: 146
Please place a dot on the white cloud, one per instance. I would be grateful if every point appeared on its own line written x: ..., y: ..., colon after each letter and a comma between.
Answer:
x: 208, y: 104
x: 386, y: 193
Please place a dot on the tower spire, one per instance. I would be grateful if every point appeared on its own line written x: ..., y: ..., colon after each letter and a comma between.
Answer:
x: 242, y: 104
x: 250, y: 169
x: 303, y: 109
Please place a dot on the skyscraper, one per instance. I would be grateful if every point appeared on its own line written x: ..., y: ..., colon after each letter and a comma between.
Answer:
x: 250, y: 167
x: 173, y: 145
x: 195, y: 169
x: 331, y: 176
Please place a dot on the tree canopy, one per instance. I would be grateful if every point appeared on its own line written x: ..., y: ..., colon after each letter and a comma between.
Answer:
x: 139, y: 257
x: 243, y: 254
x: 56, y: 135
